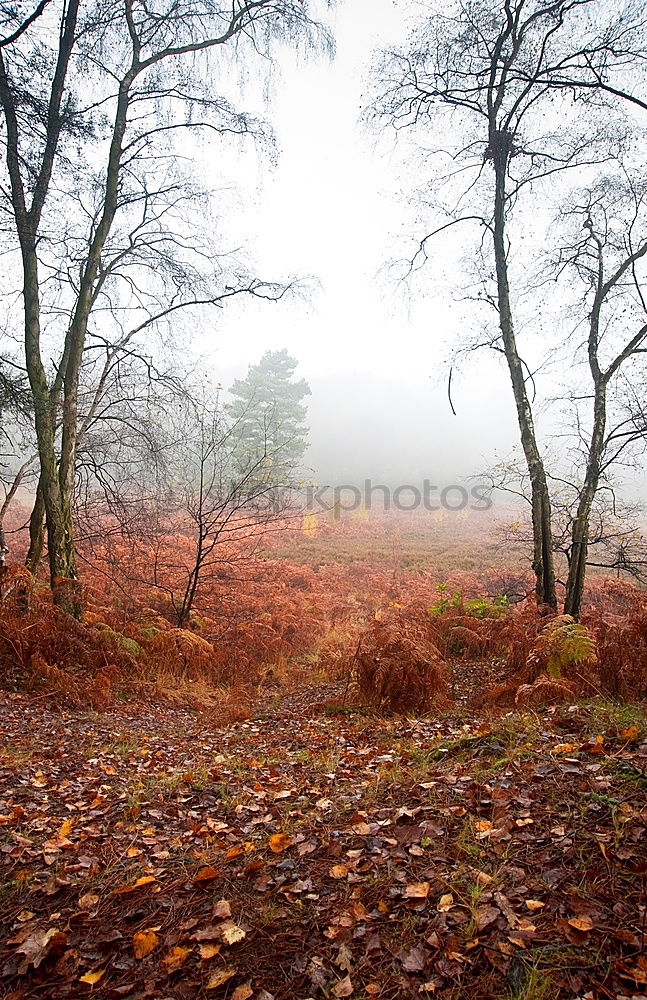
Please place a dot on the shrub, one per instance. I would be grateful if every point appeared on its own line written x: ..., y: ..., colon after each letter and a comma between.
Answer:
x: 475, y: 607
x: 183, y: 654
x: 544, y: 691
x: 396, y: 669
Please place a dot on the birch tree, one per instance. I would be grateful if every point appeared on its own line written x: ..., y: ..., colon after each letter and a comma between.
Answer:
x: 515, y: 94
x: 93, y: 95
x: 605, y: 260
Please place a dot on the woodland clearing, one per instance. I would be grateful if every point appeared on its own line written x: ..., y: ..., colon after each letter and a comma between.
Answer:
x: 287, y: 811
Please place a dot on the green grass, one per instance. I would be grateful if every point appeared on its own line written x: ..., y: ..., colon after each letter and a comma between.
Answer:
x: 603, y: 716
x: 532, y: 983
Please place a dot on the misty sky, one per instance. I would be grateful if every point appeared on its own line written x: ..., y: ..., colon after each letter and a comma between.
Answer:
x: 338, y: 206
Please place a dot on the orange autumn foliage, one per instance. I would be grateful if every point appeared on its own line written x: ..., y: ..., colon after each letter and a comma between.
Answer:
x: 260, y: 614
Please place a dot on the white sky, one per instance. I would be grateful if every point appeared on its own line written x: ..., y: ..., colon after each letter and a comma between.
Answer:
x: 327, y: 211
x: 338, y: 206
x: 334, y: 209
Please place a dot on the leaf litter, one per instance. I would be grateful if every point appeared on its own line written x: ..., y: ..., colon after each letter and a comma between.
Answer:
x: 304, y: 855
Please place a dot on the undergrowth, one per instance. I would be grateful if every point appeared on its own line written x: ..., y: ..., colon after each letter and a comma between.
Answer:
x: 393, y: 637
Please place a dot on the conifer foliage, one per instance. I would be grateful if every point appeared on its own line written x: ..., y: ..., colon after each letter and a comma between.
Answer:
x: 269, y: 415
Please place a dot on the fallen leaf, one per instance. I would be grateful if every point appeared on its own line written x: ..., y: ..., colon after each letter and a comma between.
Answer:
x: 65, y: 829
x: 92, y: 977
x: 417, y: 890
x: 412, y: 959
x: 175, y: 958
x: 206, y: 875
x: 445, y: 903
x: 535, y: 904
x: 581, y: 923
x: 144, y: 880
x: 596, y: 747
x: 486, y: 916
x: 221, y: 910
x: 208, y: 950
x: 144, y: 942
x: 634, y: 973
x: 220, y: 977
x: 344, y: 987
x: 89, y: 900
x: 280, y: 842
x: 339, y: 871
x: 232, y: 933
x: 38, y: 946
x: 344, y: 958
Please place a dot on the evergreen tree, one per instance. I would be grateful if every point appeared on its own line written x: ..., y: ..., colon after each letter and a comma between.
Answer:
x: 268, y: 415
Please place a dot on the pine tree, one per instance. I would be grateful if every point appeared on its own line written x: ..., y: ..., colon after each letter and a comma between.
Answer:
x: 268, y: 415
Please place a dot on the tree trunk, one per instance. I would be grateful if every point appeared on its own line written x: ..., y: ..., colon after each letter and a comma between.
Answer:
x: 62, y: 566
x: 75, y: 343
x: 36, y: 532
x: 581, y: 522
x: 543, y: 562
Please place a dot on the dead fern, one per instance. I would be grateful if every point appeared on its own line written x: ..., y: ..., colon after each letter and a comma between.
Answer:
x: 16, y: 588
x: 182, y: 653
x: 399, y: 672
x: 544, y: 691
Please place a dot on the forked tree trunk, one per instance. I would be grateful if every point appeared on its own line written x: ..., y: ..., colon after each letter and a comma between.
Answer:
x: 543, y: 560
x: 581, y: 523
x: 62, y: 562
x: 61, y: 558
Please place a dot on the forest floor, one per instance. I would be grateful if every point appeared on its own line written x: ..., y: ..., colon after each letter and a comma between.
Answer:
x: 318, y: 851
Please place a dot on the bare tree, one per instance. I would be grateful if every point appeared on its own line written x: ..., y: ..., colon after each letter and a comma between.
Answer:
x: 17, y: 18
x: 615, y: 536
x: 604, y: 254
x: 91, y: 102
x: 500, y: 75
x: 197, y: 512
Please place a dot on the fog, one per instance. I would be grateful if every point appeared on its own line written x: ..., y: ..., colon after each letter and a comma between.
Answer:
x: 336, y: 211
